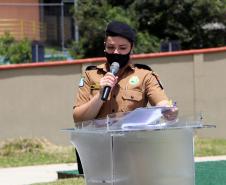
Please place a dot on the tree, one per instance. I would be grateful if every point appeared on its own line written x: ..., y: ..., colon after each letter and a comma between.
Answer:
x: 154, y: 21
x: 93, y: 16
x: 182, y: 20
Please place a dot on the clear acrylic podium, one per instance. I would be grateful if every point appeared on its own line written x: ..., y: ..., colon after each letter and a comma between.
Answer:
x: 136, y: 148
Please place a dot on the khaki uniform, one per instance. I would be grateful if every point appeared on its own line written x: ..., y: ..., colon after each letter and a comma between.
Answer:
x: 135, y: 88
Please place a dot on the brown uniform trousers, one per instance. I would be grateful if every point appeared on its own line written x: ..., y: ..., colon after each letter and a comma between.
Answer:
x: 135, y: 88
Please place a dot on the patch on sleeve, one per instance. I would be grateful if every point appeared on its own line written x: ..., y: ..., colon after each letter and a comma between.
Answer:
x: 81, y: 82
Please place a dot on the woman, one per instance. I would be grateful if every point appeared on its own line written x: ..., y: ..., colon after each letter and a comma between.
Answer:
x: 133, y: 86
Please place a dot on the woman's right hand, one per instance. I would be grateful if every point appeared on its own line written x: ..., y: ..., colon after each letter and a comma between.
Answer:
x: 108, y: 80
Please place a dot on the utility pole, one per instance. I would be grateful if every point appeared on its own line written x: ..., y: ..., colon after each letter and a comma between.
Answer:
x: 62, y: 25
x: 75, y: 23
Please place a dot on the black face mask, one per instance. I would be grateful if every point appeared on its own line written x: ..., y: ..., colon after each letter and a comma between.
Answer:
x: 121, y: 59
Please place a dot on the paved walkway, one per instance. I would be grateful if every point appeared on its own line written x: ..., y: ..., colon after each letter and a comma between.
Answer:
x: 211, y: 158
x: 47, y: 173
x: 32, y: 174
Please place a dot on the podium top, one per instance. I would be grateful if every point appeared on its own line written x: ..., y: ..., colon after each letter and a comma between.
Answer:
x: 141, y: 119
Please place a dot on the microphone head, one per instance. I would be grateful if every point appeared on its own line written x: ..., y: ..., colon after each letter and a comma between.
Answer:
x: 114, y: 68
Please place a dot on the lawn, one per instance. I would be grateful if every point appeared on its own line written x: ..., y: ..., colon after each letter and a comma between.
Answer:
x: 70, y: 181
x: 33, y: 151
x: 209, y: 147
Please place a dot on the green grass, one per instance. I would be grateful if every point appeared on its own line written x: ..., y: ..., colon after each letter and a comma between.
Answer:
x: 209, y: 147
x: 33, y: 151
x: 70, y: 181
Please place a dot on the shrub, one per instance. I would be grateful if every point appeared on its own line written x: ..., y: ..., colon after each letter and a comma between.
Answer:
x: 13, y: 51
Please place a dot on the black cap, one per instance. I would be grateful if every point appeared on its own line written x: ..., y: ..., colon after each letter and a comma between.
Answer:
x: 116, y: 28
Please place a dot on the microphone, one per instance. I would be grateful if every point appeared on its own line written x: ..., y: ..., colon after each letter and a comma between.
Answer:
x: 114, y: 68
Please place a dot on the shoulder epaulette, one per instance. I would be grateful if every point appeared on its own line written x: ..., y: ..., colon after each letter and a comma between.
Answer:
x: 88, y: 68
x: 157, y: 78
x: 143, y: 66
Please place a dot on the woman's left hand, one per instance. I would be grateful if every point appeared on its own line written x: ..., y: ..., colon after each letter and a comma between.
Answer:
x: 171, y: 113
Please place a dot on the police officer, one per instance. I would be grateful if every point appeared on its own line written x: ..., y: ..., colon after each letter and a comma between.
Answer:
x: 132, y: 87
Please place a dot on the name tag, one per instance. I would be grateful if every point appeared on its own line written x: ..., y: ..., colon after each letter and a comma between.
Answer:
x: 95, y: 87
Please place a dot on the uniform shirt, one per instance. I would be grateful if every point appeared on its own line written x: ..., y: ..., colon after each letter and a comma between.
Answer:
x: 135, y: 88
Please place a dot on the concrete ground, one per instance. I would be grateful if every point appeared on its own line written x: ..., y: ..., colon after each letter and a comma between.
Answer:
x: 211, y: 158
x: 47, y: 173
x: 32, y: 174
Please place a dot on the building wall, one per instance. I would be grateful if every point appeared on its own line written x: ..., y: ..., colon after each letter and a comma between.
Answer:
x: 37, y: 99
x: 20, y: 12
x: 21, y: 20
x: 28, y: 19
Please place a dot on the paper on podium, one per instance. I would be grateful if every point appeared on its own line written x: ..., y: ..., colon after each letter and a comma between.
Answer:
x: 143, y: 118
